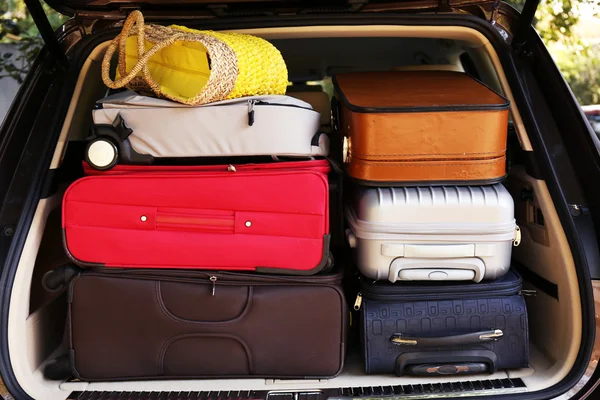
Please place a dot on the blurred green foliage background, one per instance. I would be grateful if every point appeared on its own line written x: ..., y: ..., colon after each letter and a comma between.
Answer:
x: 570, y: 29
x: 17, y: 27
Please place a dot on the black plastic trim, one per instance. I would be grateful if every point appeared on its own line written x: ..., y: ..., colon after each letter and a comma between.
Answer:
x: 122, y: 130
x: 50, y: 184
x: 541, y: 283
x: 525, y: 21
x: 117, y: 130
x: 531, y: 166
x: 43, y: 24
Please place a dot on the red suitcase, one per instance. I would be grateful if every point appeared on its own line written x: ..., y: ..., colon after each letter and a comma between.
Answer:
x: 263, y: 217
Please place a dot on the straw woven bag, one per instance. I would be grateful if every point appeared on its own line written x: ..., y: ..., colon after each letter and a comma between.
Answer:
x: 193, y: 67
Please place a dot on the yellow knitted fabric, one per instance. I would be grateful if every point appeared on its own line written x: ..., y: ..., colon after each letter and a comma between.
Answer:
x: 181, y: 69
x: 188, y: 72
x: 261, y: 68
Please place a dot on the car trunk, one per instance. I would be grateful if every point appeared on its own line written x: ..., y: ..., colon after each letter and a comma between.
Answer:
x: 37, y: 318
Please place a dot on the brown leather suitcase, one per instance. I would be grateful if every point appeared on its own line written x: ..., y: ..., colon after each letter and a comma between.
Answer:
x: 194, y: 324
x: 420, y: 128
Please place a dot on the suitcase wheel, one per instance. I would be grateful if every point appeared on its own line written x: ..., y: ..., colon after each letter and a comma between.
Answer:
x: 58, y: 369
x: 55, y: 280
x: 101, y: 154
x: 330, y: 263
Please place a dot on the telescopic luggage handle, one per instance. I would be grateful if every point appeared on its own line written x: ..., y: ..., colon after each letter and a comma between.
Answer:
x: 399, y: 339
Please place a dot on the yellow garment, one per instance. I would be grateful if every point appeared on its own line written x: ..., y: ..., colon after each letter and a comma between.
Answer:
x: 261, y: 67
x: 183, y: 68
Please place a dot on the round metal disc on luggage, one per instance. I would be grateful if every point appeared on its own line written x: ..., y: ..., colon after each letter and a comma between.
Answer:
x: 101, y: 154
x: 346, y: 149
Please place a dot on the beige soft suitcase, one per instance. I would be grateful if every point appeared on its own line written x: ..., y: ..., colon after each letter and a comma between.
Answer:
x: 134, y: 129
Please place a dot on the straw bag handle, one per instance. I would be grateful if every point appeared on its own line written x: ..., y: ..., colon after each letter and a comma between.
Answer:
x: 223, y: 72
x: 135, y: 18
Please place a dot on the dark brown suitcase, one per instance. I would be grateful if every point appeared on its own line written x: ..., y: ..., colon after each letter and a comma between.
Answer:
x: 197, y: 324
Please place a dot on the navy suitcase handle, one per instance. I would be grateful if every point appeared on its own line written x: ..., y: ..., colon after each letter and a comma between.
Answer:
x: 458, y: 362
x: 447, y: 369
x: 399, y: 339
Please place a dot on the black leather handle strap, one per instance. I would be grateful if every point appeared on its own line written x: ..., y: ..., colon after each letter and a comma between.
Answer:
x: 467, y: 338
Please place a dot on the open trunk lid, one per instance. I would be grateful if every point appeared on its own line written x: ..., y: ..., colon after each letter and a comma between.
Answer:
x: 211, y: 9
x: 268, y: 7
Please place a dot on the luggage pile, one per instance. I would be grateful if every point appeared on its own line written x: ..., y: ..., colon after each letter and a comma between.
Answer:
x: 203, y: 229
x: 203, y: 240
x: 430, y: 225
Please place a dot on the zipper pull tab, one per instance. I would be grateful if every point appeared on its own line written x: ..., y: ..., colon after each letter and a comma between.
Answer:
x: 528, y: 293
x: 251, y: 112
x: 213, y: 279
x: 358, y: 301
x: 231, y: 168
x: 517, y: 239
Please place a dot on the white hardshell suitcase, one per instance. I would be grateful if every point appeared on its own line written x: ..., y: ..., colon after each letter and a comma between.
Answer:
x: 432, y: 233
x: 135, y: 129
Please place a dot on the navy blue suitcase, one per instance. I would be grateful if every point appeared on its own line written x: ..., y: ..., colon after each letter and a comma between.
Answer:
x: 437, y: 328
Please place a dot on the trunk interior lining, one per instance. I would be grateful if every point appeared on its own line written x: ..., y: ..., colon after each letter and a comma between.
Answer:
x: 553, y: 351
